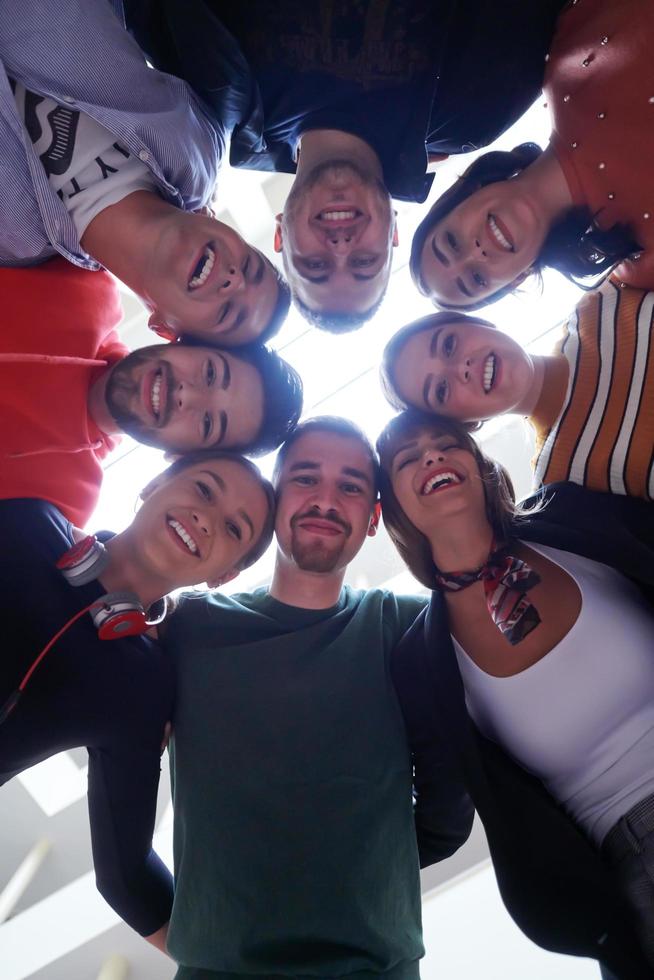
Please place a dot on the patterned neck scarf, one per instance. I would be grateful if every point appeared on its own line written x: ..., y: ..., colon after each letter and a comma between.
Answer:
x: 506, y: 581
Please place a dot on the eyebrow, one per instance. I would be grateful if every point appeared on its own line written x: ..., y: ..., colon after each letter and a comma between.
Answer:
x: 222, y: 428
x: 236, y: 324
x: 464, y: 289
x: 224, y: 311
x: 247, y: 520
x: 357, y: 474
x: 218, y: 480
x: 313, y: 279
x: 304, y: 464
x: 434, y: 341
x: 442, y: 258
x: 258, y: 276
x: 425, y: 390
x: 227, y: 374
x: 406, y: 445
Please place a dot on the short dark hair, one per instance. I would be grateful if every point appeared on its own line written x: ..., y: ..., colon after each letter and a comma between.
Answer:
x: 413, y: 546
x: 328, y: 423
x: 282, y: 397
x: 199, y: 456
x: 281, y: 308
x: 398, y: 340
x: 337, y: 321
x: 575, y: 245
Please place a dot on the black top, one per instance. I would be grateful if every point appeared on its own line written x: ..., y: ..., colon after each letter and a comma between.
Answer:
x: 114, y: 697
x: 552, y: 879
x: 408, y: 77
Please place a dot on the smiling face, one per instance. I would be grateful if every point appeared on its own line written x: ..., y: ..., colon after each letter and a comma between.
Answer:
x: 337, y: 234
x: 197, y: 526
x: 178, y: 397
x: 325, y: 501
x: 466, y: 371
x: 202, y: 279
x: 435, y: 479
x: 488, y: 241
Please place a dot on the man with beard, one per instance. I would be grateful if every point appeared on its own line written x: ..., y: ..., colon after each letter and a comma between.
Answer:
x: 112, y: 164
x: 69, y: 387
x: 295, y: 846
x: 355, y: 98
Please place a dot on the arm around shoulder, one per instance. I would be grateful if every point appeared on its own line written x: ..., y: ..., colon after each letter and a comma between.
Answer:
x: 159, y: 939
x: 443, y: 810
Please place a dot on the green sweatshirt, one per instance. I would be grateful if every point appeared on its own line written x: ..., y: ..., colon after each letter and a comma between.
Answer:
x: 295, y: 850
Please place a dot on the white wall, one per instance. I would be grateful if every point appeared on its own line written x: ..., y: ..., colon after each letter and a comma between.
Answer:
x: 469, y: 935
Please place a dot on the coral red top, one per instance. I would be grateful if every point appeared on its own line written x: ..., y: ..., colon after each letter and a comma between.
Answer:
x: 57, y: 336
x: 599, y: 85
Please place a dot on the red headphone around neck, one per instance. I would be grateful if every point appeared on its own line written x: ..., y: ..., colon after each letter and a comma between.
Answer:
x: 115, y: 615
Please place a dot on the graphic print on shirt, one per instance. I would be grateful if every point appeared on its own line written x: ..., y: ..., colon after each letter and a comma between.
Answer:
x: 58, y: 156
x: 376, y: 44
x: 83, y: 162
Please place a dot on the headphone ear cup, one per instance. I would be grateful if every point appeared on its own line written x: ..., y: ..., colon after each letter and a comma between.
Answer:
x: 119, y: 614
x: 84, y: 562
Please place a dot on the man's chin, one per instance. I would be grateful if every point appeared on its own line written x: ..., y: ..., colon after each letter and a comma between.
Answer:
x: 133, y: 427
x: 316, y: 557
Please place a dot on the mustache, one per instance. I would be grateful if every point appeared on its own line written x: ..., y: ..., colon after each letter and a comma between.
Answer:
x: 167, y: 380
x: 331, y: 516
x: 123, y: 387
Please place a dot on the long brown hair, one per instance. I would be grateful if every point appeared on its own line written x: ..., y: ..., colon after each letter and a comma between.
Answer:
x: 412, y: 544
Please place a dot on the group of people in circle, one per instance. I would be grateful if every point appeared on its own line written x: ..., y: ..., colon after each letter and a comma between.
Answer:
x: 525, y: 681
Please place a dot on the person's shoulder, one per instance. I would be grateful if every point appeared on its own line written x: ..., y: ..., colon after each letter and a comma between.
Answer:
x: 29, y: 519
x: 396, y: 611
x: 34, y: 534
x: 614, y: 303
x: 406, y: 609
x: 568, y: 511
x: 211, y: 604
x: 197, y: 599
x: 203, y: 618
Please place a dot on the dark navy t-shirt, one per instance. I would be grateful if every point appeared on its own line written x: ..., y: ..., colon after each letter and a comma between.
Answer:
x: 412, y: 76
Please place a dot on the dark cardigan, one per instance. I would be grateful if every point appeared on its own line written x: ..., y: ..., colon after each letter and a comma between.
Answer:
x: 553, y: 881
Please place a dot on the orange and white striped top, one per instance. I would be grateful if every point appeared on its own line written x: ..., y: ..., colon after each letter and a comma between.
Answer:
x: 602, y: 434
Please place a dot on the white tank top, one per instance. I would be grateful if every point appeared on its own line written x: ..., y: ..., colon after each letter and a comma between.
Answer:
x: 582, y: 717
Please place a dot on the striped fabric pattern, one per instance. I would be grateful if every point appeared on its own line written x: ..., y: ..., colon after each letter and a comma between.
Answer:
x: 604, y: 436
x: 80, y: 54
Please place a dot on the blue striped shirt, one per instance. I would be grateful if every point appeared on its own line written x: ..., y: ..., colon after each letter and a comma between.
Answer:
x: 79, y: 53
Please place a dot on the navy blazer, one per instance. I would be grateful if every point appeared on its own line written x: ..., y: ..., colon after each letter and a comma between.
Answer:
x: 554, y: 883
x: 456, y: 107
